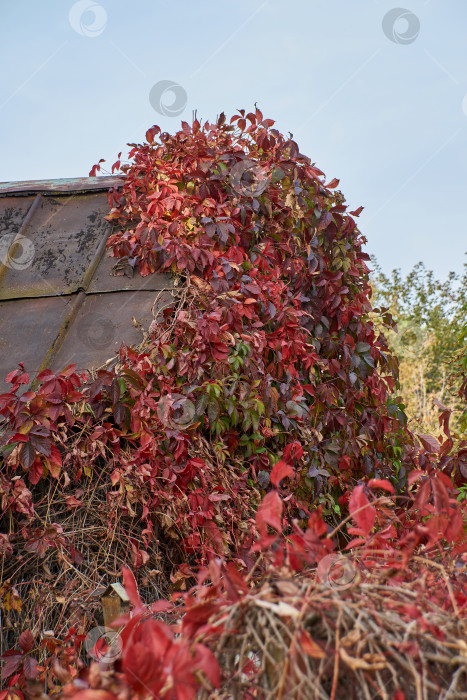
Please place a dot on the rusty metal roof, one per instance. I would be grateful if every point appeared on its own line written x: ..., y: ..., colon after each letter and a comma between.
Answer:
x: 59, y: 301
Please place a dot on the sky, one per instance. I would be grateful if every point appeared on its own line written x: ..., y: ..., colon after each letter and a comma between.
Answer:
x: 375, y: 94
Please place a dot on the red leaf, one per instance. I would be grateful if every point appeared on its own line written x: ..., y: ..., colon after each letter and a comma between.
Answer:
x: 36, y: 471
x: 455, y: 526
x: 310, y: 646
x: 26, y: 641
x: 206, y: 662
x: 357, y: 212
x: 414, y: 475
x: 220, y: 351
x: 429, y: 442
x: 30, y: 667
x: 95, y: 168
x: 27, y: 396
x: 17, y: 377
x: 381, y: 484
x: 68, y: 371
x: 324, y: 220
x: 28, y: 455
x: 292, y: 451
x: 73, y: 502
x: 10, y: 664
x: 145, y: 653
x: 270, y: 513
x: 131, y: 589
x: 55, y: 456
x: 197, y: 616
x: 333, y: 183
x: 363, y: 513
x: 423, y: 495
x: 280, y: 471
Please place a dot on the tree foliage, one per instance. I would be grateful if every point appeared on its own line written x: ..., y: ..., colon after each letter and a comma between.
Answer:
x: 427, y: 339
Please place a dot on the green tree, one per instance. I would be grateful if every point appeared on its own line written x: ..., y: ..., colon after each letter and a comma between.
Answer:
x: 428, y: 338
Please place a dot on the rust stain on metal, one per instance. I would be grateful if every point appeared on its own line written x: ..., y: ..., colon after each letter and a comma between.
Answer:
x: 59, y: 302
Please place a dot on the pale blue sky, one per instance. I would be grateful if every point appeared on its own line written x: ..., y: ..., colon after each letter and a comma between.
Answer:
x: 386, y: 118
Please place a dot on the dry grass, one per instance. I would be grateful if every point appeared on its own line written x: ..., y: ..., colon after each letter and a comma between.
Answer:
x: 304, y: 642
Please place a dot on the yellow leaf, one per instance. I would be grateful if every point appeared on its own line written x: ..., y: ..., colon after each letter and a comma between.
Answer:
x: 12, y: 601
x: 26, y: 427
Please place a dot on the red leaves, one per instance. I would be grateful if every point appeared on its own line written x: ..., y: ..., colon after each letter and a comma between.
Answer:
x: 280, y: 471
x: 152, y: 132
x: 143, y: 657
x: 131, y: 588
x: 219, y: 351
x: 381, y: 484
x: 18, y: 376
x: 269, y: 513
x: 96, y: 168
x: 153, y: 660
x: 362, y: 512
x: 292, y: 451
x: 12, y: 660
x: 184, y: 664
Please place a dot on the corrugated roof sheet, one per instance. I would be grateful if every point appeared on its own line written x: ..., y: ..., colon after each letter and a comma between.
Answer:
x: 59, y: 301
